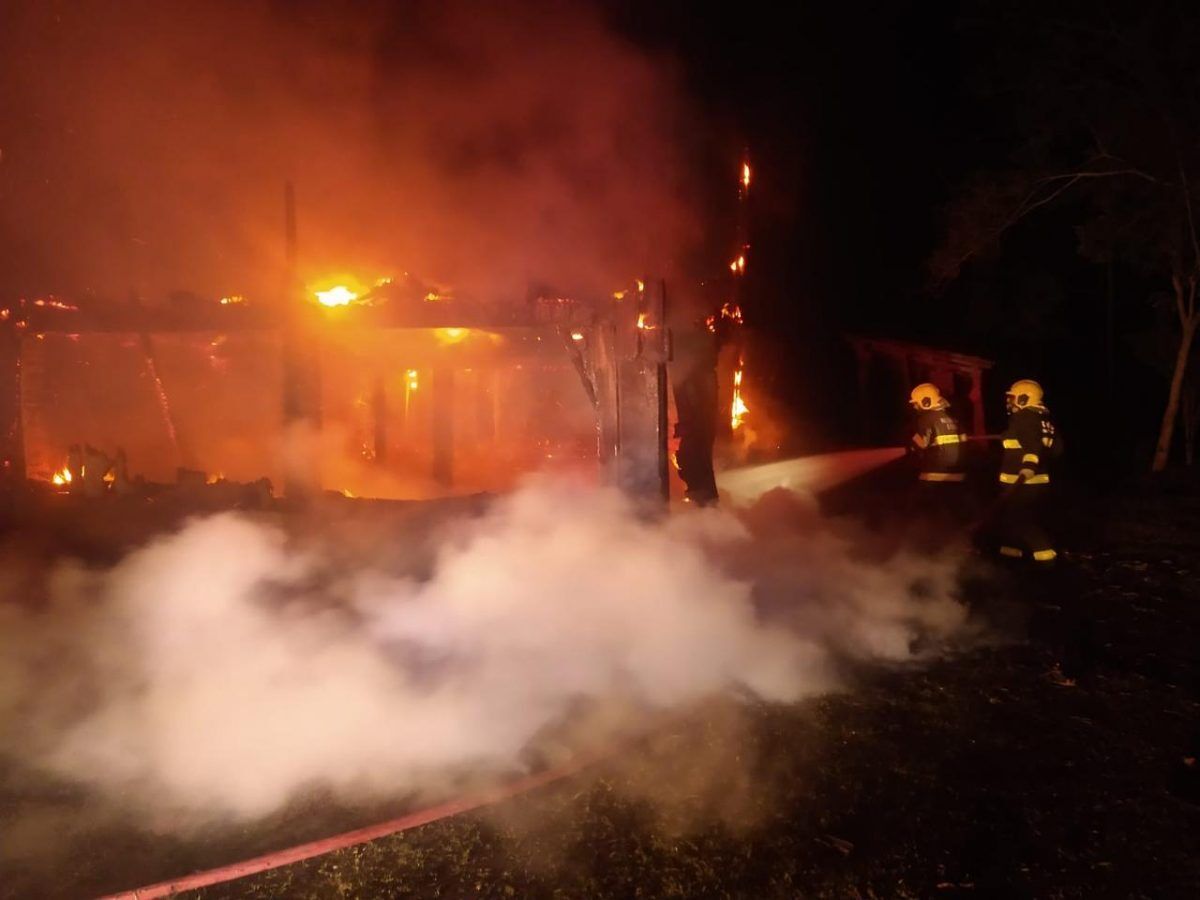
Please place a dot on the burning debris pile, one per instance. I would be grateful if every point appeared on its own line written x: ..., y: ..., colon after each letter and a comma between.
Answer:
x: 522, y: 197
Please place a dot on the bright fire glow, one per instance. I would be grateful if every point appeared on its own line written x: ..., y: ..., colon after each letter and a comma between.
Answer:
x: 338, y: 295
x: 745, y: 175
x: 641, y: 285
x: 413, y: 382
x: 642, y: 324
x: 577, y: 335
x: 738, y: 408
x: 233, y: 300
x: 215, y: 479
x: 738, y: 266
x: 451, y: 335
x: 433, y: 297
x: 54, y: 303
x: 61, y: 477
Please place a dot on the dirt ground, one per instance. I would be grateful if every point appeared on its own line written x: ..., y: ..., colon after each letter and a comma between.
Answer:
x: 976, y: 776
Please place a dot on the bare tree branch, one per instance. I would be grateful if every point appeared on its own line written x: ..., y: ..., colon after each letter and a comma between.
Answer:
x: 1187, y: 202
x: 1032, y: 201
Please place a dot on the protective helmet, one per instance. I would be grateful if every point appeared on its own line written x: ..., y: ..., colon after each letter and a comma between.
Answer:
x: 927, y: 396
x: 1023, y: 393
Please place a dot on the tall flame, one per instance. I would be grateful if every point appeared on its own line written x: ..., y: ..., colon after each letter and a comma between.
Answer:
x: 745, y: 176
x: 738, y: 408
x: 62, y: 477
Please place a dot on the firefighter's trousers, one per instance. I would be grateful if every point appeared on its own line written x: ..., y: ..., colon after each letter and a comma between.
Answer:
x: 1021, y: 527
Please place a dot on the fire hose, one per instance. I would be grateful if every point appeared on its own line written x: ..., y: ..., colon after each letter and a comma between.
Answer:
x: 856, y: 462
x: 300, y: 852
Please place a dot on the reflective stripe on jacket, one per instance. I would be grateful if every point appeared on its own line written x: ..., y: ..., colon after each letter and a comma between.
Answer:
x: 1027, y: 445
x: 939, y: 441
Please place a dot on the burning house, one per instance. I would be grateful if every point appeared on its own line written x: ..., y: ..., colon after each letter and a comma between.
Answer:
x: 399, y: 390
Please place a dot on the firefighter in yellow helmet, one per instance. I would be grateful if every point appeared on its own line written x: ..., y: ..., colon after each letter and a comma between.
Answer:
x: 937, y: 439
x: 1029, y: 443
x: 938, y: 503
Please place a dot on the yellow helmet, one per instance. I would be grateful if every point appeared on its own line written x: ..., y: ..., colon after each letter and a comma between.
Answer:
x: 1023, y: 393
x: 927, y: 396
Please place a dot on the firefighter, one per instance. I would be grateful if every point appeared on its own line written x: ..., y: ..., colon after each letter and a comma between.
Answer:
x: 937, y: 440
x: 938, y: 500
x: 1030, y: 442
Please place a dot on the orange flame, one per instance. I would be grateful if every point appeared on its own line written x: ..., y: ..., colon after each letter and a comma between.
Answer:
x: 338, y: 295
x: 745, y: 176
x: 642, y: 324
x: 233, y: 300
x: 730, y: 311
x: 738, y: 266
x: 738, y: 408
x: 62, y: 477
x: 413, y: 383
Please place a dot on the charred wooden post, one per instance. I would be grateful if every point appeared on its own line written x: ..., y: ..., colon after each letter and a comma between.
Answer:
x: 485, y: 405
x: 379, y: 419
x: 12, y: 434
x: 605, y: 364
x: 698, y: 405
x: 628, y: 358
x: 301, y: 371
x: 443, y: 427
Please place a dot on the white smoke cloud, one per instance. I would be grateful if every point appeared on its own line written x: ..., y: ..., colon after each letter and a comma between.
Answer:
x: 219, y: 670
